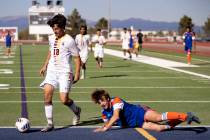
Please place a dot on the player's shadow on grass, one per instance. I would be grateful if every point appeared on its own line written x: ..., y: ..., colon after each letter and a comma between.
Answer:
x: 197, y: 130
x: 107, y: 76
x: 121, y: 66
x: 93, y: 121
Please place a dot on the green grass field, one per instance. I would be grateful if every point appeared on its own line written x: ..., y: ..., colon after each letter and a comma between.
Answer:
x: 159, y: 88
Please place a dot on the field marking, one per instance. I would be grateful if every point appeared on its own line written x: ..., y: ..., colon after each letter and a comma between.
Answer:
x: 113, y: 127
x: 124, y: 87
x: 4, y: 86
x: 6, y: 62
x: 130, y: 101
x: 145, y: 134
x: 123, y: 77
x: 6, y: 71
x: 38, y: 92
x: 6, y: 57
x: 150, y: 60
x: 168, y: 64
x: 104, y: 71
x: 182, y: 57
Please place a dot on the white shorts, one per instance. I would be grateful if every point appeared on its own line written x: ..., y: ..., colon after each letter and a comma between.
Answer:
x: 99, y: 52
x: 83, y: 56
x: 61, y: 79
x: 125, y: 46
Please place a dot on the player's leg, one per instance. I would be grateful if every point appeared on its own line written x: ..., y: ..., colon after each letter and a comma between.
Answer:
x: 65, y: 83
x: 84, y: 58
x: 48, y: 93
x: 172, y: 118
x: 140, y: 47
x: 154, y: 126
x: 9, y: 51
x: 101, y: 62
x: 83, y: 70
x: 101, y: 55
x: 189, y: 56
x: 96, y: 55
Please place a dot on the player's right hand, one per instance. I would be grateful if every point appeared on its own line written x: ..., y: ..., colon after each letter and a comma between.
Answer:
x: 42, y: 71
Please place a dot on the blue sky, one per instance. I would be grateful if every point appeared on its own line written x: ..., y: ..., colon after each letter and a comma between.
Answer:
x: 156, y: 10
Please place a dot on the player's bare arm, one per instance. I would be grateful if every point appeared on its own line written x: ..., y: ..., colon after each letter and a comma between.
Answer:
x: 77, y: 68
x: 109, y: 124
x: 44, y: 67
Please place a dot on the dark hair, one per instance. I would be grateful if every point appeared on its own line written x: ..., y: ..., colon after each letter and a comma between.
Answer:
x: 58, y: 19
x: 124, y: 28
x: 84, y: 26
x: 99, y: 29
x: 100, y: 94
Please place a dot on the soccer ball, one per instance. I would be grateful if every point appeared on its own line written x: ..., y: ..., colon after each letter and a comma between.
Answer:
x: 22, y: 124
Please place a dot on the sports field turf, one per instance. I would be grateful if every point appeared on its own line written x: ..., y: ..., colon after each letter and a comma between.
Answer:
x: 159, y: 88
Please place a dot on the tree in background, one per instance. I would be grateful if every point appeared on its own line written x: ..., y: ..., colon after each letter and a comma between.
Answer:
x: 74, y: 21
x: 24, y: 35
x: 103, y: 25
x: 206, y: 27
x: 184, y: 22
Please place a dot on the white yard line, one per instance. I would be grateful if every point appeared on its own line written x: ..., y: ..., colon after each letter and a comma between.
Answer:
x: 6, y: 62
x: 127, y: 87
x: 168, y: 64
x: 130, y: 101
x: 106, y: 77
x: 4, y: 86
x: 6, y: 71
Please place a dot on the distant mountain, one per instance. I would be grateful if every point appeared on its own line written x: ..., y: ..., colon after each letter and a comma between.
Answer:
x: 22, y: 22
x: 18, y: 21
x: 148, y: 25
x: 144, y: 24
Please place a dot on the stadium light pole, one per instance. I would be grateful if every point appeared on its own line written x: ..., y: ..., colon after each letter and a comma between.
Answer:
x: 109, y: 16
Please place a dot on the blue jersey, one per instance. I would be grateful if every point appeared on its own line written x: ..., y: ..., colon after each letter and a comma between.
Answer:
x: 131, y: 42
x: 130, y: 115
x: 188, y: 39
x: 8, y: 40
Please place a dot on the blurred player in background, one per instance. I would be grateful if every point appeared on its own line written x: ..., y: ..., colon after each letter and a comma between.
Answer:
x: 125, y: 42
x: 131, y: 42
x: 140, y: 40
x: 8, y: 43
x: 188, y: 38
x: 82, y: 41
x: 99, y: 41
x: 59, y: 70
x: 116, y: 111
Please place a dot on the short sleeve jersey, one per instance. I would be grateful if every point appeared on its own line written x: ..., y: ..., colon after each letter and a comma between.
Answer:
x: 82, y: 42
x: 130, y: 115
x: 62, y: 50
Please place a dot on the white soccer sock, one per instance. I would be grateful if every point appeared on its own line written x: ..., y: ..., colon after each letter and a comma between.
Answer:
x: 49, y: 113
x: 164, y: 116
x: 83, y: 73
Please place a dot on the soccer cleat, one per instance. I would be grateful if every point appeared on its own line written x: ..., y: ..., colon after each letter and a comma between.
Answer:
x: 192, y: 118
x: 76, y: 117
x: 48, y: 128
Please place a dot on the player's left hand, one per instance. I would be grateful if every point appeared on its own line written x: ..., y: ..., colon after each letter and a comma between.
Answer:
x: 101, y: 129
